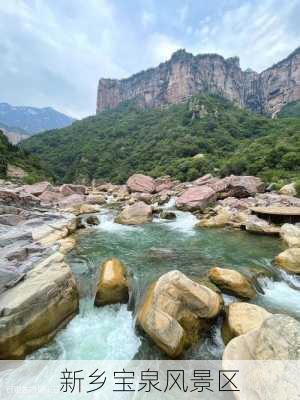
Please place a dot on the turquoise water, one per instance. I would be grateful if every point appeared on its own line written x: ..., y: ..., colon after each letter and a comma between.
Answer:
x: 149, y: 251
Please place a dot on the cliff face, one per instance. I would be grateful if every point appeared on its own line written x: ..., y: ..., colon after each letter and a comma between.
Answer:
x: 185, y: 75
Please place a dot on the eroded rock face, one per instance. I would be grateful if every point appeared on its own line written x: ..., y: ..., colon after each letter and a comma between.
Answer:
x: 185, y: 75
x: 175, y: 310
x: 232, y: 282
x: 289, y: 260
x: 196, y: 198
x: 33, y: 311
x: 112, y: 286
x: 141, y: 183
x: 135, y: 214
x: 242, y: 318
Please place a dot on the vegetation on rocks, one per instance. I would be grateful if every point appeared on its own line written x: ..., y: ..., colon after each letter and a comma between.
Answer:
x: 205, y: 134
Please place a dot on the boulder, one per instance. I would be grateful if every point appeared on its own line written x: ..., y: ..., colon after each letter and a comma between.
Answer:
x: 278, y: 338
x: 164, y: 186
x: 112, y: 285
x: 141, y: 183
x: 220, y: 220
x: 288, y: 190
x: 196, y: 198
x: 37, y: 188
x: 291, y: 234
x: 135, y: 214
x: 145, y: 197
x: 167, y: 215
x: 92, y: 220
x: 257, y: 225
x: 95, y: 199
x: 51, y: 197
x: 175, y: 310
x: 79, y: 209
x: 242, y: 318
x: 71, y: 200
x: 289, y: 260
x: 68, y: 189
x: 233, y: 282
x: 34, y: 310
x: 242, y: 186
x: 48, y: 233
x: 203, y: 180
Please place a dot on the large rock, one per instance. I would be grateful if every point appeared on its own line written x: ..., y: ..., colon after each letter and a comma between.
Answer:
x: 79, y: 209
x: 48, y: 233
x: 291, y: 234
x: 141, y: 183
x: 278, y: 338
x: 288, y: 190
x: 242, y: 318
x: 72, y: 200
x: 289, y: 260
x: 112, y: 286
x: 166, y: 214
x: 35, y: 309
x: 232, y: 281
x: 196, y: 198
x: 242, y: 186
x: 257, y: 225
x: 48, y: 197
x: 175, y: 310
x: 38, y: 188
x: 68, y: 189
x: 135, y: 214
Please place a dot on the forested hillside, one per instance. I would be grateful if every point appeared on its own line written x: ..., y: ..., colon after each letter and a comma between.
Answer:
x: 205, y: 134
x: 13, y: 155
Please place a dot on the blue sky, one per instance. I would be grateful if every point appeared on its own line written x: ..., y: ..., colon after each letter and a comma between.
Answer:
x: 54, y: 51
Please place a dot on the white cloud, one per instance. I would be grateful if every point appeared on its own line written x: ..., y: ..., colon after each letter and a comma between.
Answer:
x: 161, y: 47
x: 255, y: 31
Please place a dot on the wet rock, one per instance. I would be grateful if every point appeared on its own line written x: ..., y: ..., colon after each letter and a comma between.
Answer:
x: 232, y: 282
x: 135, y: 214
x: 175, y: 310
x: 242, y: 318
x: 35, y: 309
x: 257, y: 225
x: 92, y: 220
x: 167, y: 215
x: 66, y: 245
x: 288, y: 190
x: 196, y: 198
x: 223, y: 218
x: 49, y: 233
x: 162, y: 253
x: 291, y: 234
x: 112, y: 286
x: 278, y: 338
x: 68, y: 189
x: 37, y: 188
x: 141, y: 183
x: 289, y: 260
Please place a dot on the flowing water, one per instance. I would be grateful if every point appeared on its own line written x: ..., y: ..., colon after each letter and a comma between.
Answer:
x: 149, y: 251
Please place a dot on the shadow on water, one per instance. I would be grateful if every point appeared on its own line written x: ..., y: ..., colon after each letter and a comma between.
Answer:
x: 150, y: 251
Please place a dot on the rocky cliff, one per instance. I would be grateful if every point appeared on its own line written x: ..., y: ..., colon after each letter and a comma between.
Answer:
x: 185, y: 75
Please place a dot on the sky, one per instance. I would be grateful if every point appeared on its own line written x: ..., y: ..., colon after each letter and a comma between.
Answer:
x: 53, y: 52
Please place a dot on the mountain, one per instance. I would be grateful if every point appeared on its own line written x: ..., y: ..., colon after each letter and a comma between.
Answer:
x: 205, y: 134
x: 185, y: 75
x: 32, y: 119
x: 14, y: 135
x: 17, y: 163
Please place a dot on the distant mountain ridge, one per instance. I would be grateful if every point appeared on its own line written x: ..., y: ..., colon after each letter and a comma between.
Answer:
x: 186, y: 75
x: 32, y: 119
